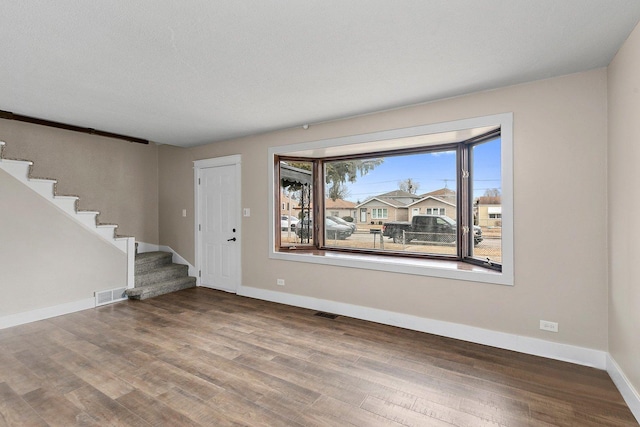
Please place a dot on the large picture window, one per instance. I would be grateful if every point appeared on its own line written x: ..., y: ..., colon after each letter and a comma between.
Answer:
x: 436, y: 195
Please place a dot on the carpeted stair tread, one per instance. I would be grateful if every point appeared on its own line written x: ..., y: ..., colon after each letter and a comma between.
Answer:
x: 161, y: 274
x: 150, y: 260
x: 160, y: 288
x: 156, y: 274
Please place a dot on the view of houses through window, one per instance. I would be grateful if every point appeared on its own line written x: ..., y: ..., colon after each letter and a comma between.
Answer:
x: 403, y: 203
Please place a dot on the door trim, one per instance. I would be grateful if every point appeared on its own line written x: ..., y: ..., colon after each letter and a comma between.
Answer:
x: 233, y: 160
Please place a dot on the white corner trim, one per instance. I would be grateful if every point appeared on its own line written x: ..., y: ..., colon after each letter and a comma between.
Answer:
x: 628, y: 392
x: 178, y: 259
x: 537, y: 347
x: 131, y: 262
x: 147, y: 247
x: 46, y: 312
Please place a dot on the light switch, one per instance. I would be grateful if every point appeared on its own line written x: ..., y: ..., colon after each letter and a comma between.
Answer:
x: 246, y: 212
x: 184, y: 213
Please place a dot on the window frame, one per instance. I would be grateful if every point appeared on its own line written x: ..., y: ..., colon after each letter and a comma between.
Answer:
x: 383, y: 211
x: 441, y: 211
x: 319, y: 254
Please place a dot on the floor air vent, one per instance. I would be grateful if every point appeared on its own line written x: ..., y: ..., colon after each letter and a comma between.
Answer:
x: 326, y: 315
x: 107, y: 297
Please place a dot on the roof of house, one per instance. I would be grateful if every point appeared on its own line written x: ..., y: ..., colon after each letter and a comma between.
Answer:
x: 338, y: 204
x: 438, y: 199
x: 290, y: 175
x: 396, y: 193
x: 489, y: 200
x: 441, y: 193
x: 397, y: 198
x: 387, y: 201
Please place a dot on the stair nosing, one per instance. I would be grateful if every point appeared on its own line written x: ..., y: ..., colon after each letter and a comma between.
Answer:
x: 29, y: 162
x: 42, y: 179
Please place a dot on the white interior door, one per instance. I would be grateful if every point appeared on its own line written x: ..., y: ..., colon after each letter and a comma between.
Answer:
x: 218, y: 228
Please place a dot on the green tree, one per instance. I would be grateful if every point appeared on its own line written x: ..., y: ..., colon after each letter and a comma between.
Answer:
x: 338, y: 173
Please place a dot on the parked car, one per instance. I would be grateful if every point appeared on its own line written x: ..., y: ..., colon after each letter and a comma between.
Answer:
x: 428, y: 228
x: 343, y: 222
x: 285, y: 220
x: 333, y: 230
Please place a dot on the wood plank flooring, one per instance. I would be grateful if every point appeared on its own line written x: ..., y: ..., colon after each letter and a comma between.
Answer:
x: 202, y: 357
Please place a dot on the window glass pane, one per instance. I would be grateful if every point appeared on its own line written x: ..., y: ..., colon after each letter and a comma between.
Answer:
x: 295, y: 195
x: 381, y: 199
x: 486, y: 186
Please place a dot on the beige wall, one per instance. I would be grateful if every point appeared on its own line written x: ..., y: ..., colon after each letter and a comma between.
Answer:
x: 46, y: 258
x: 117, y: 178
x: 624, y: 208
x: 560, y: 137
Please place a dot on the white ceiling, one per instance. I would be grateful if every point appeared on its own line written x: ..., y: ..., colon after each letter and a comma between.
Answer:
x: 192, y: 72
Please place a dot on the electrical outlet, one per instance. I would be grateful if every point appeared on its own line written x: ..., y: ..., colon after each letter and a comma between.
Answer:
x: 548, y: 326
x: 280, y: 282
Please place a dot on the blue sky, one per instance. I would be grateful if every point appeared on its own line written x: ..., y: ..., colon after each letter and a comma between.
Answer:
x: 432, y: 171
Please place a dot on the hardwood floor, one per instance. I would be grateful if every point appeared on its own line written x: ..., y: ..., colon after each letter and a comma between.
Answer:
x: 202, y: 357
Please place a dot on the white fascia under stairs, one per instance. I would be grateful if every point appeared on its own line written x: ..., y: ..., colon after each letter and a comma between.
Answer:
x: 21, y: 170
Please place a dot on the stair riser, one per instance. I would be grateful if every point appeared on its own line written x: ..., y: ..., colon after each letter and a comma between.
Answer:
x: 161, y: 289
x: 88, y: 219
x: 161, y: 275
x: 44, y: 188
x: 17, y: 169
x: 66, y: 204
x: 144, y: 267
x: 107, y: 232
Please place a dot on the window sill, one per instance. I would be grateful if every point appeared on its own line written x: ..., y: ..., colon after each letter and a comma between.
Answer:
x: 422, y: 267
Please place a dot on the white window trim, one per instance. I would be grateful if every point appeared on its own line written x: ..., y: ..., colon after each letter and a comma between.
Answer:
x: 430, y: 211
x: 413, y: 266
x: 384, y: 212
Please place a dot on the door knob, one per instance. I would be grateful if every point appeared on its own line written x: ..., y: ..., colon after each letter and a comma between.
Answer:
x: 231, y: 240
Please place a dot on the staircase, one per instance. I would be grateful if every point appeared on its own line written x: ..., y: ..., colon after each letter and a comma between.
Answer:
x: 46, y: 187
x: 156, y: 274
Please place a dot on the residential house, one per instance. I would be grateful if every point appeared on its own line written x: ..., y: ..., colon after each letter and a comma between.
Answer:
x: 340, y: 208
x: 578, y: 130
x: 391, y: 206
x: 489, y: 211
x: 438, y: 202
x: 288, y: 203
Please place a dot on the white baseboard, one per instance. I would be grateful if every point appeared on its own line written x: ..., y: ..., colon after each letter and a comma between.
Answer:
x: 629, y: 393
x: 552, y: 350
x: 147, y: 247
x: 46, y: 313
x: 177, y: 258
